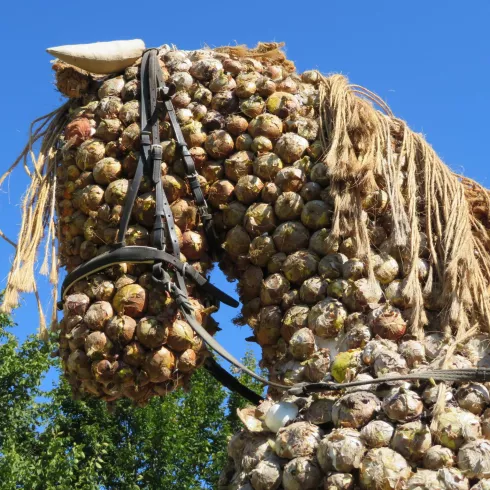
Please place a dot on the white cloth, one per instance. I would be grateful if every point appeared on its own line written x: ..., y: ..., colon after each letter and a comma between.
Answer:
x: 102, y: 58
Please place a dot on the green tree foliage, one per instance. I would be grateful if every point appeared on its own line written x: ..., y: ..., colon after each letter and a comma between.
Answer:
x: 21, y: 371
x: 235, y: 401
x: 48, y: 440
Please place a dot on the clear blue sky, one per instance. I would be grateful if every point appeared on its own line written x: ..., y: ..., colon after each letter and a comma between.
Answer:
x: 428, y: 60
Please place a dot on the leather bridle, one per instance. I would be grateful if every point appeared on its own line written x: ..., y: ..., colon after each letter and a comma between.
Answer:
x: 156, y: 104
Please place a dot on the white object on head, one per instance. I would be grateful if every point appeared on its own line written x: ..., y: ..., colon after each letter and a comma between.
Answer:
x: 280, y: 414
x: 103, y: 58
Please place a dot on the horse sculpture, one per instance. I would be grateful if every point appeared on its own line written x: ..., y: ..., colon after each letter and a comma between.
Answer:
x: 358, y: 255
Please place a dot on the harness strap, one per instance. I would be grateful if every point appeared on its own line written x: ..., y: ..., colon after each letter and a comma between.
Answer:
x: 143, y: 159
x: 187, y: 311
x: 162, y: 206
x: 135, y: 254
x: 230, y: 382
x: 190, y: 170
x: 131, y: 196
x: 481, y: 375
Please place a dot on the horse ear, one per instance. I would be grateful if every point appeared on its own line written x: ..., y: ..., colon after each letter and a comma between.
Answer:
x: 101, y: 58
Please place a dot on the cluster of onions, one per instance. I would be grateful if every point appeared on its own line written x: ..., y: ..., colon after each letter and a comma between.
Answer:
x: 365, y: 438
x: 252, y: 127
x: 120, y: 336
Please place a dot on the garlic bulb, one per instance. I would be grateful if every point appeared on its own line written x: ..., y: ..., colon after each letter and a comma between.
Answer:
x: 412, y: 440
x: 438, y: 457
x: 473, y: 397
x: 266, y: 475
x: 340, y: 481
x: 403, y: 405
x: 355, y: 409
x: 377, y: 433
x: 455, y: 426
x: 474, y: 459
x: 301, y: 474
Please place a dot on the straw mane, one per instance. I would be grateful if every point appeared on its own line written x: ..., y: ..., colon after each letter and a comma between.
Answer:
x: 359, y: 143
x: 38, y: 213
x: 266, y: 52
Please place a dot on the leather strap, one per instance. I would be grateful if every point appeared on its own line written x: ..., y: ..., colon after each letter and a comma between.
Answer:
x: 230, y: 382
x: 187, y: 312
x: 143, y: 159
x: 481, y: 375
x: 190, y: 170
x: 134, y: 254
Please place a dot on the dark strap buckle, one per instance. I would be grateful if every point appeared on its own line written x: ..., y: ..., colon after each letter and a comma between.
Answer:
x: 165, y: 92
x: 204, y: 211
x: 184, y: 150
x: 145, y: 138
x: 160, y: 278
x: 157, y: 152
x: 181, y: 299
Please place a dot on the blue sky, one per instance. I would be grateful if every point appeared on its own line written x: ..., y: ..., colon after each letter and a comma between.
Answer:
x: 428, y: 60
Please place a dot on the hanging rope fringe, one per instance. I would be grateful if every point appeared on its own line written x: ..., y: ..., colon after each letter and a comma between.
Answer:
x: 359, y: 141
x: 454, y: 210
x: 38, y: 206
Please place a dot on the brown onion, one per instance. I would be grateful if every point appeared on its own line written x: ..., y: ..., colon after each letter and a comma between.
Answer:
x: 130, y: 300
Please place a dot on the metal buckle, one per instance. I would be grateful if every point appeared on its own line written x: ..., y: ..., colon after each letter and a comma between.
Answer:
x: 193, y: 179
x: 184, y: 149
x: 145, y: 138
x: 203, y: 210
x: 161, y: 278
x: 156, y: 152
x: 165, y: 92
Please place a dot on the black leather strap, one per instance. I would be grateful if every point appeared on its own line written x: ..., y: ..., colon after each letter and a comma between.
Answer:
x: 230, y: 382
x: 143, y: 255
x: 144, y: 156
x: 481, y: 375
x: 188, y: 313
x: 206, y: 217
